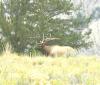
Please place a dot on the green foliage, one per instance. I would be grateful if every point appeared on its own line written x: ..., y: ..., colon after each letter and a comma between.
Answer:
x: 28, y: 21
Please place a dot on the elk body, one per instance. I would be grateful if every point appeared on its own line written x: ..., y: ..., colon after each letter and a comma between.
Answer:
x: 56, y: 50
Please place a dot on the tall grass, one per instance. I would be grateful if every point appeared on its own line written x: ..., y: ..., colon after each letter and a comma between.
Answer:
x: 42, y: 70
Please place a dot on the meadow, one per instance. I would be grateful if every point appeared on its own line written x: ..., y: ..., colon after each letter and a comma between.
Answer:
x: 42, y: 70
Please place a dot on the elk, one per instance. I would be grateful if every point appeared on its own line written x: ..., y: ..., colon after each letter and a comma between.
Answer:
x: 56, y: 50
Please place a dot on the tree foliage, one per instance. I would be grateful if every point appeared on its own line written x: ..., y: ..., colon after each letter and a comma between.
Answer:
x: 24, y: 22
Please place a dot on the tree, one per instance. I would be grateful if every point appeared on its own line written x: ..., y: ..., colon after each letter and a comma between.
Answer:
x: 29, y: 20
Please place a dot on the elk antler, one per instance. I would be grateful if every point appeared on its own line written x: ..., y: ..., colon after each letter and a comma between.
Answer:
x: 48, y: 39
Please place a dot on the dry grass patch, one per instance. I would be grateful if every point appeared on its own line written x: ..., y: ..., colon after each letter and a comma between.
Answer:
x: 40, y: 70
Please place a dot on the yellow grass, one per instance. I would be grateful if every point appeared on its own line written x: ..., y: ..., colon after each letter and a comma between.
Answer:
x: 40, y: 70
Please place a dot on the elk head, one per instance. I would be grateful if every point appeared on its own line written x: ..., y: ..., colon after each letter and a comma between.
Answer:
x: 46, y: 49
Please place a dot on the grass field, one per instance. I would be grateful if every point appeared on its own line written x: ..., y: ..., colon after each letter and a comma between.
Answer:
x: 40, y: 70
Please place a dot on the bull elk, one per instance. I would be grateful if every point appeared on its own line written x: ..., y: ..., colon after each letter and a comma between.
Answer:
x: 56, y: 50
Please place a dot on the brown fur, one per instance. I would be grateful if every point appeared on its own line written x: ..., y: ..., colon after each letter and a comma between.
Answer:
x: 57, y: 50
